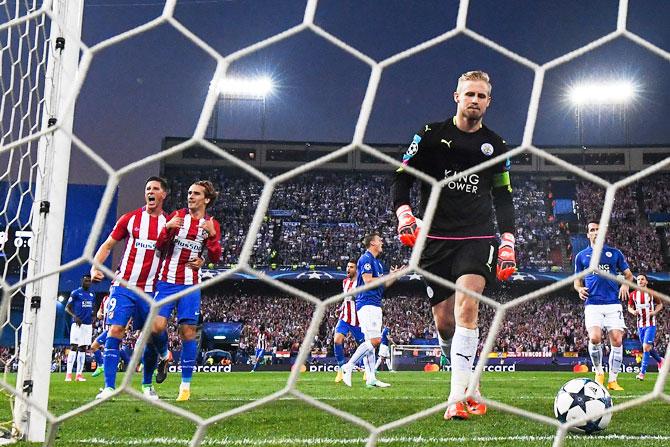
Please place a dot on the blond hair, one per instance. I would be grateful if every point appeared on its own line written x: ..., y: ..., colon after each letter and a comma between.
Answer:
x: 476, y: 75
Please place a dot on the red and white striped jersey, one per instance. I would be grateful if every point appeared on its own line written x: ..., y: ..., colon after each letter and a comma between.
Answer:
x: 645, y: 303
x: 348, y: 307
x: 103, y: 306
x: 140, y: 261
x: 263, y: 340
x: 180, y: 245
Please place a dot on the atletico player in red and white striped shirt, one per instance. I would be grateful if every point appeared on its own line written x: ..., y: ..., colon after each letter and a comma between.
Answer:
x: 348, y: 319
x: 645, y: 306
x: 187, y: 234
x: 138, y: 268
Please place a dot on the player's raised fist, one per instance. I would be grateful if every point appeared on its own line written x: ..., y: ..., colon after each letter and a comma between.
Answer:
x: 506, y: 260
x: 408, y: 226
x: 175, y: 222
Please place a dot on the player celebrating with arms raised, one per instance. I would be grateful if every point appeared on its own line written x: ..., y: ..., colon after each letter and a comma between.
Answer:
x: 602, y: 299
x: 645, y: 306
x: 188, y: 232
x: 461, y: 246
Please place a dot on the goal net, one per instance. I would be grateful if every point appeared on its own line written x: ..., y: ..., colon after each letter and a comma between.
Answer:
x: 43, y: 63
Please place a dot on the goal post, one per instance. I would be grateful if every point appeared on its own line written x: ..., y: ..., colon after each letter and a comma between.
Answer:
x: 47, y: 221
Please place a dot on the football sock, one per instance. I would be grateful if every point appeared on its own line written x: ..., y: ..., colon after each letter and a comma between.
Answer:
x: 362, y: 349
x: 111, y: 361
x: 188, y: 352
x: 150, y: 360
x: 369, y: 363
x: 615, y: 361
x: 81, y: 360
x: 655, y: 355
x: 98, y: 359
x: 71, y: 356
x: 463, y: 351
x: 645, y: 362
x: 596, y: 353
x: 339, y: 353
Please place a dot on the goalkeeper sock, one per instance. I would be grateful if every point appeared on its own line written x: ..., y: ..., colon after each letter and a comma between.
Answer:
x: 445, y: 345
x: 111, y: 361
x: 463, y: 351
x: 339, y: 353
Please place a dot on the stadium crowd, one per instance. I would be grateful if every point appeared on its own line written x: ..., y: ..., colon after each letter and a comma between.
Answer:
x: 552, y: 325
x: 627, y: 231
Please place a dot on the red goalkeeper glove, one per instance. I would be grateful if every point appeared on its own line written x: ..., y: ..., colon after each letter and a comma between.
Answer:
x: 506, y: 262
x: 408, y: 226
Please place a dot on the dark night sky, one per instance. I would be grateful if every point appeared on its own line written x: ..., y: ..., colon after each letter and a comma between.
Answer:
x: 154, y: 85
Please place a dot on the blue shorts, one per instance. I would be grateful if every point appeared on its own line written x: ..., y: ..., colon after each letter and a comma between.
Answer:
x: 260, y: 352
x: 124, y: 304
x: 188, y: 306
x: 102, y: 338
x: 345, y: 328
x: 647, y: 334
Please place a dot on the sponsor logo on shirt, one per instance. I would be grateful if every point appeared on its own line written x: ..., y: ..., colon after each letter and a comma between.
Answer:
x: 467, y: 184
x: 145, y: 244
x: 187, y: 244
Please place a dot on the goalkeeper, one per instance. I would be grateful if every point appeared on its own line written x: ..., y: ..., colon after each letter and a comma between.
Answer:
x: 461, y: 246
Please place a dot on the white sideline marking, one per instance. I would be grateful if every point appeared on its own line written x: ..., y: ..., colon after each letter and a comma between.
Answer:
x: 347, y: 441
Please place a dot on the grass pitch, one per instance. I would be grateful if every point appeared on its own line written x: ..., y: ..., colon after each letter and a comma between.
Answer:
x: 125, y: 421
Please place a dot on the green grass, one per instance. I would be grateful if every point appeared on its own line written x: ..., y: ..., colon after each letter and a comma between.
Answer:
x: 289, y: 421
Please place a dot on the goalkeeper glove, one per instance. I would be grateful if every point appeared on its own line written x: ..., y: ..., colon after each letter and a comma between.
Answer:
x: 408, y: 225
x: 506, y: 262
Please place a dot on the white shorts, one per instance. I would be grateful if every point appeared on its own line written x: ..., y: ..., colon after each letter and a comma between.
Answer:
x: 81, y: 335
x: 370, y: 321
x: 606, y: 316
x: 384, y: 351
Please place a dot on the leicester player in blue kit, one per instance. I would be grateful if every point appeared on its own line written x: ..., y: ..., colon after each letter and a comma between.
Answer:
x: 603, y: 310
x: 369, y: 310
x: 384, y: 350
x: 80, y: 307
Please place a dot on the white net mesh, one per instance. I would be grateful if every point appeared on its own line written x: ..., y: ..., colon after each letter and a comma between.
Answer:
x: 23, y: 55
x: 22, y: 77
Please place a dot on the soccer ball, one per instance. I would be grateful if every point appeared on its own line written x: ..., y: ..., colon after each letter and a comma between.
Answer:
x: 579, y: 398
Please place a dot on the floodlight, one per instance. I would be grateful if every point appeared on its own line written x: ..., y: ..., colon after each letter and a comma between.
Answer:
x: 616, y: 92
x: 246, y: 88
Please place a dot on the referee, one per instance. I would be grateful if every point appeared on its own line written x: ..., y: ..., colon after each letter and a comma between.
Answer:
x: 462, y: 246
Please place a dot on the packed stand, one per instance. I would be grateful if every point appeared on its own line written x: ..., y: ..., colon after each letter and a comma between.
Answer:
x: 320, y: 218
x: 656, y: 195
x: 551, y: 325
x: 636, y: 239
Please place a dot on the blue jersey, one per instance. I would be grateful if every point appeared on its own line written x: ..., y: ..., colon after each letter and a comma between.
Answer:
x: 369, y: 264
x: 602, y: 290
x: 82, y: 304
x: 385, y: 336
